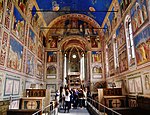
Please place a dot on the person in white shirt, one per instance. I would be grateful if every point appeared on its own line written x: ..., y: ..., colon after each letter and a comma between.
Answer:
x: 67, y: 100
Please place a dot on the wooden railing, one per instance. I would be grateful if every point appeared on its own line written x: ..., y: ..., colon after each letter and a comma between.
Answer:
x: 96, y: 108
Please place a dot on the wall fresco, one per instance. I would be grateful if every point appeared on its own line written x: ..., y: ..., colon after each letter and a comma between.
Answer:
x: 3, y: 48
x: 32, y: 41
x: 51, y: 70
x: 135, y: 85
x: 18, y: 25
x: 30, y: 64
x: 40, y: 69
x: 8, y: 13
x: 96, y: 56
x: 51, y: 56
x: 138, y: 14
x: 15, y: 56
x: 40, y: 51
x: 142, y: 46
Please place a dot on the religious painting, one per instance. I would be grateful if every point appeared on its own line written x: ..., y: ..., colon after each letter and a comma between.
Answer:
x: 94, y: 42
x: 34, y: 18
x: 18, y: 25
x: 51, y: 70
x: 51, y: 56
x: 135, y: 85
x: 142, y: 46
x: 40, y: 69
x: 52, y: 87
x: 16, y: 87
x: 123, y: 63
x: 8, y: 87
x: 32, y: 41
x: 71, y: 27
x: 15, y: 55
x: 120, y: 35
x: 40, y: 51
x: 3, y: 48
x: 8, y: 13
x: 110, y: 48
x: 74, y: 67
x: 96, y: 56
x: 2, y: 6
x: 52, y: 42
x: 30, y: 64
x: 97, y: 69
x: 147, y: 82
x: 14, y: 104
x: 139, y: 14
x: 111, y: 67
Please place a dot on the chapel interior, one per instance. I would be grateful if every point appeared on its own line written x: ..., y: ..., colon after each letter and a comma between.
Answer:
x: 100, y: 45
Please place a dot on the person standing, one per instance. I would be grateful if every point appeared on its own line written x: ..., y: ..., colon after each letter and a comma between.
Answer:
x: 57, y: 96
x: 67, y: 100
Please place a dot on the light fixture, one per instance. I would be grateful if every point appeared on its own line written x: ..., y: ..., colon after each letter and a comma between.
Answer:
x: 74, y: 56
x: 92, y: 9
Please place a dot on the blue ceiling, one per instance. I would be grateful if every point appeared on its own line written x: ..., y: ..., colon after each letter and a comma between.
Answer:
x: 75, y: 5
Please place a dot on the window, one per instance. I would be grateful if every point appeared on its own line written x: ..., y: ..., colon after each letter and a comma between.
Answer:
x: 129, y: 40
x: 107, y: 66
x: 115, y: 46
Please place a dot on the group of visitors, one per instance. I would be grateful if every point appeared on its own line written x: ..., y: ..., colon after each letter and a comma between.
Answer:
x: 73, y: 98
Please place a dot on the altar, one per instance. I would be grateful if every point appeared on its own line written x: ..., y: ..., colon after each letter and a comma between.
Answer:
x: 35, y: 99
x: 33, y: 102
x: 112, y: 97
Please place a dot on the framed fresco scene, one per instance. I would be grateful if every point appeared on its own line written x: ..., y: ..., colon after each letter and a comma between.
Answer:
x: 135, y: 85
x: 51, y: 56
x: 15, y: 56
x: 3, y: 48
x: 52, y: 87
x: 18, y: 25
x: 142, y: 46
x: 32, y: 41
x: 139, y: 14
x: 8, y: 87
x: 16, y: 87
x: 51, y: 72
x: 30, y: 63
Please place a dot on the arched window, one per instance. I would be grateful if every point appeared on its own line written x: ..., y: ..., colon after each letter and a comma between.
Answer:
x: 129, y: 41
x: 115, y: 46
x: 107, y: 66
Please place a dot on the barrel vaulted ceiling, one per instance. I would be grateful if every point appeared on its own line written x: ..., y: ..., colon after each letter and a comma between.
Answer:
x: 74, y: 6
